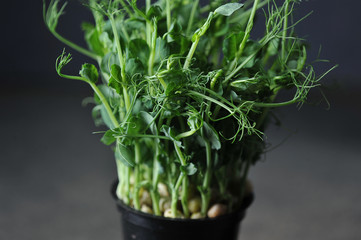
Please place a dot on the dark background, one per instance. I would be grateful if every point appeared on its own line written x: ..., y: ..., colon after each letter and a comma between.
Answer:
x: 55, y: 175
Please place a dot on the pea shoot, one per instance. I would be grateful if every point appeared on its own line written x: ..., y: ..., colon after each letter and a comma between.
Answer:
x: 185, y: 93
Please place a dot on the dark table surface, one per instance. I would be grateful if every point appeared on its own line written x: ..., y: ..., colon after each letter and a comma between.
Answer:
x: 55, y: 175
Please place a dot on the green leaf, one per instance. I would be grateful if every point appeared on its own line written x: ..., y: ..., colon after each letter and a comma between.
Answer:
x: 302, y: 59
x: 62, y: 61
x: 252, y: 48
x: 243, y: 83
x: 138, y: 48
x: 175, y: 33
x: 115, y: 81
x: 149, y: 120
x: 105, y: 116
x: 228, y: 9
x: 109, y: 94
x: 89, y: 72
x: 175, y: 80
x: 52, y: 14
x: 105, y: 40
x: 293, y: 64
x: 273, y: 47
x: 169, y: 132
x: 134, y: 24
x: 209, y: 133
x: 101, y: 117
x: 189, y: 169
x: 124, y: 154
x: 154, y: 12
x: 161, y: 50
x: 116, y: 72
x: 231, y: 45
x: 134, y: 66
x: 115, y: 84
x: 183, y: 13
x: 107, y: 61
x: 159, y: 167
x: 108, y: 137
x: 98, y: 121
x: 97, y: 42
x: 194, y: 122
x: 135, y: 125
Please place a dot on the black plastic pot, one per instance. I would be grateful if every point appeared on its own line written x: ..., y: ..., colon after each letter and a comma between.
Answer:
x: 141, y: 226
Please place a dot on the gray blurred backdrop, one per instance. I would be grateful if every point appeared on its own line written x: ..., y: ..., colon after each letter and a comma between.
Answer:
x: 55, y: 174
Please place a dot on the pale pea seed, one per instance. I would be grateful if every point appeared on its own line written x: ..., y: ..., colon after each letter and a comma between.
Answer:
x: 146, y: 209
x: 131, y: 180
x: 163, y: 190
x: 197, y: 215
x: 217, y: 210
x: 145, y: 198
x: 169, y: 214
x: 194, y: 204
x: 164, y: 203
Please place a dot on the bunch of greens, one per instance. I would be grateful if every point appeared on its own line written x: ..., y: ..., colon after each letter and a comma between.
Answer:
x: 185, y: 94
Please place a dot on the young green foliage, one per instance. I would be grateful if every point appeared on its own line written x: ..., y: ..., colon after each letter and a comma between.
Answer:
x: 185, y: 92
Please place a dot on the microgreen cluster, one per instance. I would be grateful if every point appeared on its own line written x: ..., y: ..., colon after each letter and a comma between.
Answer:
x: 185, y: 93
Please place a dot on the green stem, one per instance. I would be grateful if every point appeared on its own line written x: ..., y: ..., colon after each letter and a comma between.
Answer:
x: 284, y: 33
x: 180, y: 154
x: 184, y: 180
x: 239, y: 67
x: 184, y: 197
x: 121, y: 61
x: 155, y: 202
x: 126, y: 8
x: 174, y: 202
x: 152, y: 48
x: 191, y: 53
x: 75, y: 46
x: 127, y: 185
x: 212, y: 100
x: 186, y: 134
x: 119, y: 191
x: 105, y: 103
x: 137, y: 176
x: 245, y: 37
x: 215, y: 78
x: 248, y: 29
x: 161, y: 80
x: 98, y: 93
x: 124, y: 31
x: 240, y: 17
x: 191, y: 18
x: 98, y: 17
x: 281, y: 104
x: 168, y: 14
x: 264, y: 114
x: 196, y: 37
x: 155, y: 180
x: 143, y: 136
x: 147, y: 27
x: 206, y: 193
x: 118, y: 46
